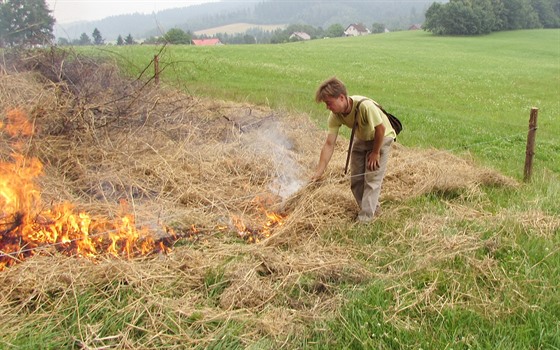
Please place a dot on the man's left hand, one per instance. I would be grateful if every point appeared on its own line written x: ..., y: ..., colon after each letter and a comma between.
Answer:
x: 373, y: 161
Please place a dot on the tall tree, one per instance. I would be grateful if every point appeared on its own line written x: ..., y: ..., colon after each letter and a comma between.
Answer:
x: 120, y: 41
x: 84, y: 40
x: 434, y: 19
x: 177, y: 36
x: 335, y: 30
x: 500, y: 15
x: 97, y: 38
x: 377, y: 28
x: 129, y: 40
x: 63, y: 42
x: 520, y: 15
x: 548, y: 14
x: 25, y: 22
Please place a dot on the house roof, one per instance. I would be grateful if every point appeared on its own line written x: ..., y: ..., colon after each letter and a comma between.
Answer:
x: 301, y: 35
x: 359, y: 27
x: 206, y: 42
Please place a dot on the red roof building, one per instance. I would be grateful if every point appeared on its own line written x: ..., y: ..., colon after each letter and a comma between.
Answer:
x: 206, y: 42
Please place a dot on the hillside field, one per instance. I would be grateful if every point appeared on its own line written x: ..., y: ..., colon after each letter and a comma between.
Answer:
x: 465, y: 94
x: 238, y: 28
x: 180, y: 215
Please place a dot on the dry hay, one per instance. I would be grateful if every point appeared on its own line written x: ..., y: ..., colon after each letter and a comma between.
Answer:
x: 414, y: 172
x: 198, y: 161
x: 180, y: 160
x: 534, y: 222
x: 271, y: 292
x: 435, y: 264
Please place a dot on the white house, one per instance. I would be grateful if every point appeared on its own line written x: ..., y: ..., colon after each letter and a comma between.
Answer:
x: 356, y: 30
x: 300, y: 36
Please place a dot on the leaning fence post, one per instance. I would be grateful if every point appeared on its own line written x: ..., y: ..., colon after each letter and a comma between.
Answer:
x: 530, y: 152
x: 156, y: 69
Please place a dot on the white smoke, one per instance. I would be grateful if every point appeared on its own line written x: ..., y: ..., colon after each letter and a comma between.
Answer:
x: 288, y: 173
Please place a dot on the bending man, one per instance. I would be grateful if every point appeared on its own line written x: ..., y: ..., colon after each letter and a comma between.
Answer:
x: 372, y: 144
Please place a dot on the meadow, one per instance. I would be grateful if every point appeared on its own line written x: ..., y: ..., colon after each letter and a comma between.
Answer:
x: 454, y: 262
x: 471, y: 96
x: 463, y: 94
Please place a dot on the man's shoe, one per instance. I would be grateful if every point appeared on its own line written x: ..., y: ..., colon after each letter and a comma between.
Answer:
x: 364, y: 218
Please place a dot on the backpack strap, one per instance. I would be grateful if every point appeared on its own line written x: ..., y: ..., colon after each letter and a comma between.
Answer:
x: 389, y: 116
x: 352, y: 135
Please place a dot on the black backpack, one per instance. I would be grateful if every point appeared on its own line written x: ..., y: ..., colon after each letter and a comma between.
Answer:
x: 395, y: 122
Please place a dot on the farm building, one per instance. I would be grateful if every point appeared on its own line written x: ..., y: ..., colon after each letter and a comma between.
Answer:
x: 300, y: 36
x: 206, y: 42
x: 356, y: 30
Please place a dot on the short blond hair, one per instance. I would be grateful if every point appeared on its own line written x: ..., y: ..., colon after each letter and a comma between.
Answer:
x: 331, y: 87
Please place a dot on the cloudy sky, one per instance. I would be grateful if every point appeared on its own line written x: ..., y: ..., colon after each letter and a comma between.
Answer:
x: 66, y: 11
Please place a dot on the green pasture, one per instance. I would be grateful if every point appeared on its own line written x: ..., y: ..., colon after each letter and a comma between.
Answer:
x: 462, y: 94
x: 469, y: 95
x: 467, y: 269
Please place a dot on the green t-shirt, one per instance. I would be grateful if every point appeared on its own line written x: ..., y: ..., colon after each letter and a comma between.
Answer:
x: 369, y: 117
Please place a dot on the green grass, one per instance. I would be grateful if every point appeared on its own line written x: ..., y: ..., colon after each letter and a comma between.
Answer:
x: 463, y: 94
x: 458, y: 322
x: 484, y: 281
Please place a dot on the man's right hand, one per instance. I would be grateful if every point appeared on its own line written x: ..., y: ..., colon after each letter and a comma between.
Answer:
x: 316, y: 177
x: 326, y: 153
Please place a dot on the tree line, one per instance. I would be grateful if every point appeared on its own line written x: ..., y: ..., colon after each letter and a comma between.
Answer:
x: 173, y: 36
x: 96, y: 39
x: 25, y: 22
x: 29, y: 22
x: 255, y: 35
x: 475, y: 17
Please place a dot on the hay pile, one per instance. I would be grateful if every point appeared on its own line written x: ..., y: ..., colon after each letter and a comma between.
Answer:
x: 175, y: 157
x: 180, y: 161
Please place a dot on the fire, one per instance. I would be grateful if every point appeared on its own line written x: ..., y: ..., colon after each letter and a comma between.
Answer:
x: 28, y: 227
x: 26, y: 230
x: 252, y: 235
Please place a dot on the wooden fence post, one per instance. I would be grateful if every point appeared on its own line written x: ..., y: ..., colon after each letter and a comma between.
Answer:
x: 530, y: 152
x: 156, y: 69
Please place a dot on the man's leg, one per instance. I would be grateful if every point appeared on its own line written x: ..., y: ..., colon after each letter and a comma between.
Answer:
x: 357, y: 170
x: 372, y: 184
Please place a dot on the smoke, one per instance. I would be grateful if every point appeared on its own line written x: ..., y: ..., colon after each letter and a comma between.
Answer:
x: 289, y: 176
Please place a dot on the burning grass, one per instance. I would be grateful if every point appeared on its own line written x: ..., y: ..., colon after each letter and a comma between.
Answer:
x: 218, y: 175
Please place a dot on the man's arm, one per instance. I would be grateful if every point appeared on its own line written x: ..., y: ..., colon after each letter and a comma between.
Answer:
x: 325, y: 157
x: 373, y: 158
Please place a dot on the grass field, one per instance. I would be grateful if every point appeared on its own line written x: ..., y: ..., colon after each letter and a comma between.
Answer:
x: 473, y: 267
x: 465, y: 94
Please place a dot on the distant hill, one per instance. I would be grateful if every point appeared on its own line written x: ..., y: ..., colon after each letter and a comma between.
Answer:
x: 143, y: 25
x: 395, y: 14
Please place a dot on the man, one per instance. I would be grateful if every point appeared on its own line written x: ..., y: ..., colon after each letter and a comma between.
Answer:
x: 372, y: 143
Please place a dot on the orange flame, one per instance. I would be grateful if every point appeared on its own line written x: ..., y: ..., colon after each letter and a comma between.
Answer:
x: 272, y: 221
x: 24, y: 229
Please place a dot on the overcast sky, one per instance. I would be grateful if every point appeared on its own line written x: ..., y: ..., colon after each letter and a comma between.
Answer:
x: 65, y: 11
